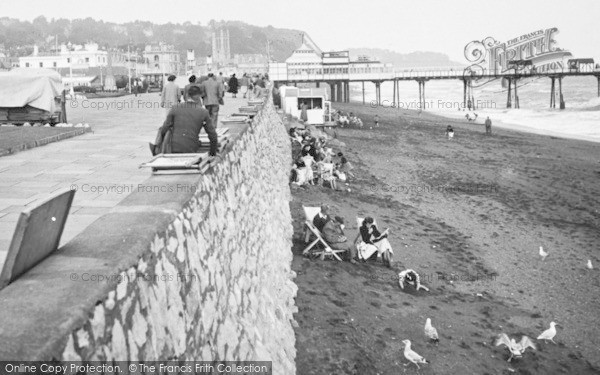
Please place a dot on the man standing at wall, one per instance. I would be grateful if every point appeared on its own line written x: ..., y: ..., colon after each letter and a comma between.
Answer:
x: 170, y: 94
x: 213, y: 93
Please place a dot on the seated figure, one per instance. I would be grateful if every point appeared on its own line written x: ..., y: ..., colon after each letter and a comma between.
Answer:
x: 373, y: 241
x: 332, y: 230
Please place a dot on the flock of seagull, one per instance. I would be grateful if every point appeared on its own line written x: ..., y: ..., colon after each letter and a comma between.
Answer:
x: 515, y: 348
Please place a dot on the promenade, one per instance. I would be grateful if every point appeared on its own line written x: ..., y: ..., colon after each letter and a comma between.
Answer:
x: 103, y: 166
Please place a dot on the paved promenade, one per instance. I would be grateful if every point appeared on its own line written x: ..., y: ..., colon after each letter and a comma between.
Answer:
x: 106, y: 159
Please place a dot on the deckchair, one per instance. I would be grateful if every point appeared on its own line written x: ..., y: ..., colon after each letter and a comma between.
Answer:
x: 325, y: 173
x: 311, y: 230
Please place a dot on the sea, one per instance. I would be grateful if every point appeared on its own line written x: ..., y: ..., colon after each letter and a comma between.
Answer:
x: 579, y: 120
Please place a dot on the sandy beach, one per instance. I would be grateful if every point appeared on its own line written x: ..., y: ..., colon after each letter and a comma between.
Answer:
x: 469, y: 215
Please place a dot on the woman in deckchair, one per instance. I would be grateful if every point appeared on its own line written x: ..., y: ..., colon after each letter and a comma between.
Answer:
x: 374, y: 241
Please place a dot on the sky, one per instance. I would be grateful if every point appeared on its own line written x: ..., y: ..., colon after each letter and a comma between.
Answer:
x: 404, y: 26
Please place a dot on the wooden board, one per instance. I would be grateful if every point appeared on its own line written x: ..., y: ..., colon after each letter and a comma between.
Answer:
x: 36, y: 236
x: 175, y: 161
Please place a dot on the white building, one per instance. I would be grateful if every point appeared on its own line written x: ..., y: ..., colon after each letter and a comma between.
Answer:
x: 76, y: 57
x: 308, y: 64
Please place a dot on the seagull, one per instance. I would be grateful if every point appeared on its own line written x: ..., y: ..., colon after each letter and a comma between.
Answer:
x: 431, y: 332
x: 543, y: 254
x: 589, y: 264
x: 412, y: 356
x: 516, y: 348
x: 549, y: 333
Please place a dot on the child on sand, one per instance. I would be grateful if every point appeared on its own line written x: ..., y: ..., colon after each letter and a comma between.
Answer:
x: 449, y: 132
x: 376, y: 119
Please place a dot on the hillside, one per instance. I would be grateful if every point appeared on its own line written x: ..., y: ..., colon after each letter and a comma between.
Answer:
x: 406, y: 60
x: 19, y: 37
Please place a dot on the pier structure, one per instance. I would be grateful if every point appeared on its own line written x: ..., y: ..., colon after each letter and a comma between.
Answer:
x: 308, y: 64
x: 340, y: 83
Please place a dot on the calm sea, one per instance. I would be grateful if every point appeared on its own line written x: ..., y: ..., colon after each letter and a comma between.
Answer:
x: 580, y: 119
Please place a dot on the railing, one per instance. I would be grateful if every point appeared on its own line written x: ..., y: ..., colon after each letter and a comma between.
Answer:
x: 283, y: 75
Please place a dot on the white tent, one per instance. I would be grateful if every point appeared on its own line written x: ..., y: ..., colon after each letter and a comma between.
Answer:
x: 34, y: 87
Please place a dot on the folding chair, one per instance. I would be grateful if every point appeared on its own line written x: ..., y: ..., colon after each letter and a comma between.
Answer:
x: 310, y: 229
x: 325, y: 173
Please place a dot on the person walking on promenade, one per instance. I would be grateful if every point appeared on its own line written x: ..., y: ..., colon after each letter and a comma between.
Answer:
x: 213, y: 96
x: 244, y: 85
x: 186, y: 89
x: 233, y: 85
x: 488, y: 126
x: 186, y: 120
x: 170, y: 95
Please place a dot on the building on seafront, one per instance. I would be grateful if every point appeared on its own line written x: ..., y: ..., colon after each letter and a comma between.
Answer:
x: 309, y: 63
x: 162, y: 59
x: 74, y: 57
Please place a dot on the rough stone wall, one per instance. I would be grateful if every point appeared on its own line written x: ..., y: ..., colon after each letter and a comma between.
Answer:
x: 217, y: 283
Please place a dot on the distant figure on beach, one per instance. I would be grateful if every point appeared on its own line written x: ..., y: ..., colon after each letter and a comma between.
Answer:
x: 186, y: 120
x: 410, y: 277
x: 376, y: 119
x: 374, y: 241
x: 170, y: 94
x: 488, y: 126
x: 449, y: 132
x: 303, y: 112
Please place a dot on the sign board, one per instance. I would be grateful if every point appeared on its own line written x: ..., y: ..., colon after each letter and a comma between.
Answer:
x: 36, y: 236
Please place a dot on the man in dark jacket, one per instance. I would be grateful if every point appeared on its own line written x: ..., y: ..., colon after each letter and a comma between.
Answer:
x: 187, y: 120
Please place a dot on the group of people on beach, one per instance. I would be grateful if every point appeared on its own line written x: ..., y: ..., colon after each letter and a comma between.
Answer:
x: 315, y: 162
x: 310, y: 153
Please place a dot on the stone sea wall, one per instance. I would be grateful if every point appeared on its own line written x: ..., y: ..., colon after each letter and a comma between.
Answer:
x: 214, y: 284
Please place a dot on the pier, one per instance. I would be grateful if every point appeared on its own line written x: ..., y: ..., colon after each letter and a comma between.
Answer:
x: 340, y: 82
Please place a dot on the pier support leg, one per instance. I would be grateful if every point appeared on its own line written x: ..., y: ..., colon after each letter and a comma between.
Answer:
x: 552, y: 93
x: 562, y: 101
x: 394, y: 97
x: 598, y: 78
x: 423, y: 107
x: 397, y: 99
x: 420, y: 95
x: 347, y: 91
x: 363, y: 91
x: 464, y: 93
x: 509, y: 98
x: 516, y: 94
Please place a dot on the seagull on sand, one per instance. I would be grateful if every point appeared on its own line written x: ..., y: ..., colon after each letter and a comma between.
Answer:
x: 431, y: 332
x: 549, y: 333
x: 589, y: 264
x: 516, y: 348
x: 543, y: 254
x: 411, y: 355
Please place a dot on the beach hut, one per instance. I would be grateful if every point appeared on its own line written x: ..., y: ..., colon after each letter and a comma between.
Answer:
x: 317, y: 105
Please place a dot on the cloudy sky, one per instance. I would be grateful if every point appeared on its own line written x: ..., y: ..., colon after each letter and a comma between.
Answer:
x: 404, y: 26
